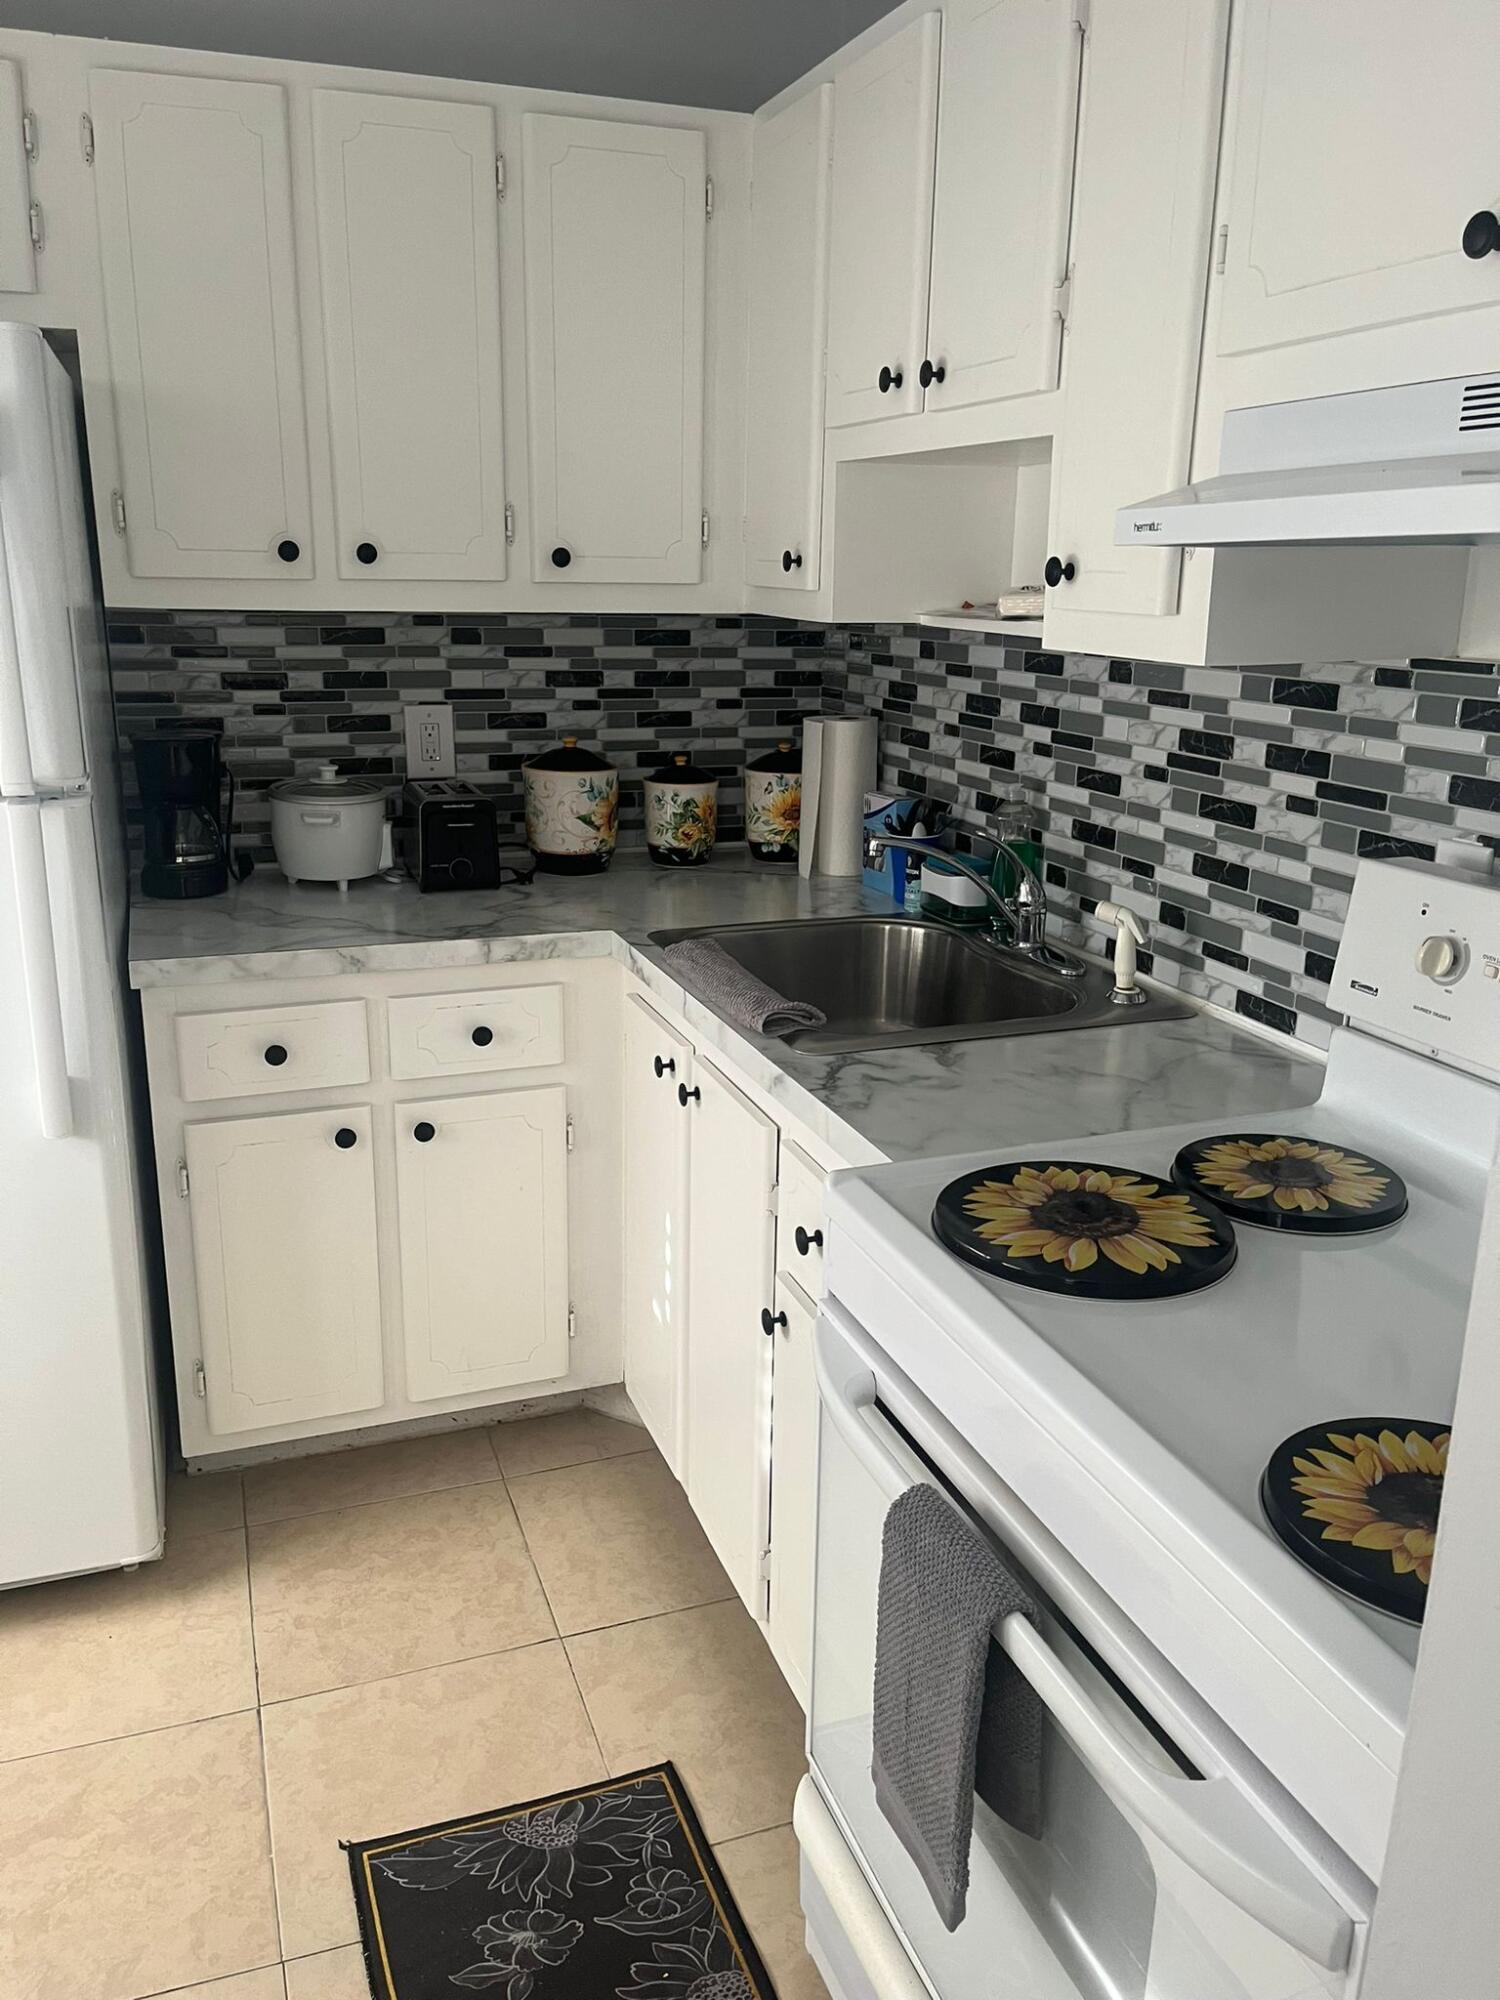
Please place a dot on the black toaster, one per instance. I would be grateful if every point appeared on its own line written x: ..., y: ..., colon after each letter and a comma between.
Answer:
x: 450, y: 835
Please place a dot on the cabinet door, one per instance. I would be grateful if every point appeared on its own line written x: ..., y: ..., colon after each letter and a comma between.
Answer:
x: 1145, y: 204
x: 884, y: 126
x: 408, y: 248
x: 200, y: 294
x: 482, y: 1194
x: 731, y: 1260
x: 1363, y: 143
x: 1007, y: 110
x: 17, y: 251
x: 615, y: 216
x: 788, y: 320
x: 283, y: 1222
x: 655, y: 1197
x: 794, y: 1484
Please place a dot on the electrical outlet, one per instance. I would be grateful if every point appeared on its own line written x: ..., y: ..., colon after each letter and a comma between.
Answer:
x: 429, y: 740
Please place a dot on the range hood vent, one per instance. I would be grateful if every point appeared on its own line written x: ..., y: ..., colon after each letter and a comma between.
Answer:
x: 1419, y: 463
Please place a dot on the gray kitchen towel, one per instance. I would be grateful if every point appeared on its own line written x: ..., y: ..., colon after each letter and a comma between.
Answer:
x: 726, y: 985
x: 938, y: 1697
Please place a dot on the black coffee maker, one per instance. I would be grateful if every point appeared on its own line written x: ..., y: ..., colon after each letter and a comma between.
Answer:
x: 185, y: 816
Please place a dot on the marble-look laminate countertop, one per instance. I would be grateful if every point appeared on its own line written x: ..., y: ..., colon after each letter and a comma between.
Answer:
x: 904, y: 1103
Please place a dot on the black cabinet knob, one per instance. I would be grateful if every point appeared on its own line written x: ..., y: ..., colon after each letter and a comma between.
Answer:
x: 669, y: 1067
x: 481, y: 1036
x: 927, y: 374
x: 423, y: 1132
x: 275, y: 1055
x: 790, y: 561
x: 345, y: 1137
x: 366, y: 552
x: 1482, y: 233
x: 561, y: 557
x: 804, y: 1242
x: 288, y: 550
x: 1057, y: 571
x: 888, y: 379
x: 769, y: 1321
x: 684, y: 1094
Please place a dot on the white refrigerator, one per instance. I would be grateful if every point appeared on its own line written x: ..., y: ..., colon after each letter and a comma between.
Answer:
x: 80, y: 1443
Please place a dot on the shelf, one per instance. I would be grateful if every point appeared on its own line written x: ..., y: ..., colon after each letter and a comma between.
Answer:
x: 975, y: 621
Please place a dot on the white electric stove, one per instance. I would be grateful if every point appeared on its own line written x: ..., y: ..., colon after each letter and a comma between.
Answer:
x: 1132, y: 1434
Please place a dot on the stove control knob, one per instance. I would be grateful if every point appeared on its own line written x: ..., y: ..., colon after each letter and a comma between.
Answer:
x: 1439, y: 957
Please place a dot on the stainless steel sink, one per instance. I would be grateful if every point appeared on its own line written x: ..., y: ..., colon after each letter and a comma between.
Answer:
x: 898, y: 982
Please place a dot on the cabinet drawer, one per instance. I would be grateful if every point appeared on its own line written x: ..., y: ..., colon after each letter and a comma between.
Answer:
x: 258, y: 1050
x: 451, y: 1034
x: 799, y: 1221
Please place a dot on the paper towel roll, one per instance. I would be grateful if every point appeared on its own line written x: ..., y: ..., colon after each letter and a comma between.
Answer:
x: 838, y: 768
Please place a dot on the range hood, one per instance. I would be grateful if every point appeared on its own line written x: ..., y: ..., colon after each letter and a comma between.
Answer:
x: 1413, y: 464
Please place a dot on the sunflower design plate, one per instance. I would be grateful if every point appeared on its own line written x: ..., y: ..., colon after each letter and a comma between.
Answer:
x: 1278, y: 1181
x: 1083, y: 1230
x: 1358, y: 1501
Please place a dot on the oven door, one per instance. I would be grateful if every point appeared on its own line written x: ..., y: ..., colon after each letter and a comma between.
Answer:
x: 1155, y: 1877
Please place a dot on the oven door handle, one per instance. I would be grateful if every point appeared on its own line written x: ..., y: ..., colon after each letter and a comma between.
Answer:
x: 1206, y: 1822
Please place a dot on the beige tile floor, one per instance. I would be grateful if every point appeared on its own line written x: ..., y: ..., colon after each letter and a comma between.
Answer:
x: 346, y: 1646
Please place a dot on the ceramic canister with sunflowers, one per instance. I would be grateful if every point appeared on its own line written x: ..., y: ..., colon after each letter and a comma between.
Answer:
x: 773, y: 804
x: 682, y: 814
x: 572, y: 809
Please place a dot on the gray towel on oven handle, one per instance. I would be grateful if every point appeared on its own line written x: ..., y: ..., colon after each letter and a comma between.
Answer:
x: 748, y: 1001
x: 950, y: 1707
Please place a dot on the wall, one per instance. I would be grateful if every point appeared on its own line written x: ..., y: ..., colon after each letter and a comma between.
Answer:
x: 1228, y: 807
x: 295, y: 691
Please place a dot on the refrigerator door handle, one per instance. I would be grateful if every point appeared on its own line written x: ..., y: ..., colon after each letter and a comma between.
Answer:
x: 39, y: 971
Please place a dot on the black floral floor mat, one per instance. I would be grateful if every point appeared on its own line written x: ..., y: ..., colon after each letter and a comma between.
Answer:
x: 608, y: 1893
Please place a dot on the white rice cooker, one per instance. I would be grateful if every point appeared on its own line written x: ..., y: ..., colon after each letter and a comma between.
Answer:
x: 327, y: 828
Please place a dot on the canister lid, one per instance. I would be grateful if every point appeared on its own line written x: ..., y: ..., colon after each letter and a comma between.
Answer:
x: 569, y: 756
x: 678, y: 770
x: 785, y: 757
x: 326, y: 787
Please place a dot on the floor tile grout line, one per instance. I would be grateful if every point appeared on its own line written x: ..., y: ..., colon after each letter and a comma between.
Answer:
x: 126, y: 1736
x: 730, y: 1596
x: 218, y: 1979
x: 375, y: 1500
x: 404, y: 1674
x: 577, y: 1464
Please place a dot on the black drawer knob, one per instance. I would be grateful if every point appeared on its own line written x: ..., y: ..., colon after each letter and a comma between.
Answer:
x: 684, y: 1094
x: 1057, y: 571
x: 345, y: 1137
x: 366, y: 552
x: 423, y: 1132
x: 667, y: 1068
x: 804, y: 1242
x: 276, y: 1055
x: 1482, y: 233
x: 769, y: 1321
x: 288, y: 550
x: 789, y: 561
x: 481, y: 1036
x: 561, y: 557
x: 929, y: 373
x: 888, y: 379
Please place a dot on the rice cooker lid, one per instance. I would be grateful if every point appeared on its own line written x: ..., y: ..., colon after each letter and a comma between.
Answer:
x: 326, y: 788
x: 785, y: 757
x: 678, y: 771
x: 569, y: 756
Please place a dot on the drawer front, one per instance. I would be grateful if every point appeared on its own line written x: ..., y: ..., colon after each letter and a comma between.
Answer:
x: 455, y: 1034
x: 799, y: 1221
x: 256, y: 1051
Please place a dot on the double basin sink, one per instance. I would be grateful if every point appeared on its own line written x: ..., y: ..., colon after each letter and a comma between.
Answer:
x: 901, y: 982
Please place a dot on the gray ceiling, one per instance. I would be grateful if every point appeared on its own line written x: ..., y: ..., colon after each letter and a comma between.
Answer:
x: 732, y: 54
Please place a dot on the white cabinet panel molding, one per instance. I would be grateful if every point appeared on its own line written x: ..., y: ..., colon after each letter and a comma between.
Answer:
x: 255, y: 1051
x: 655, y: 1205
x: 794, y: 1484
x: 458, y: 1034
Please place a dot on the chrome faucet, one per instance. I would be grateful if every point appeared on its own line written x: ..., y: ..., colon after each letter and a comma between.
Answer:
x: 1025, y: 912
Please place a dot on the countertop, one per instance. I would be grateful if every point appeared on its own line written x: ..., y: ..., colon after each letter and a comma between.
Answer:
x: 896, y: 1104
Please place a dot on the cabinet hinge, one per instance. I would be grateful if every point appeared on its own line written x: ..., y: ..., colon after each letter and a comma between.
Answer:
x: 765, y: 1565
x: 86, y: 138
x: 182, y: 1180
x: 703, y: 529
x: 34, y: 216
x: 28, y: 134
x: 117, y: 510
x: 572, y: 1322
x: 1062, y: 297
x: 1081, y: 10
x: 499, y: 176
x: 200, y: 1380
x: 1221, y: 252
x: 569, y: 1129
x: 773, y: 1199
x: 708, y: 197
x: 510, y: 523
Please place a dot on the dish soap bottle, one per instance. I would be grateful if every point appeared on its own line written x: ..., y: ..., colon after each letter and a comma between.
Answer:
x: 1013, y: 825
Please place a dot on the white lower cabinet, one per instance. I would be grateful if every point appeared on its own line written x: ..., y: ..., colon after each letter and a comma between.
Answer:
x: 482, y: 1197
x: 287, y: 1265
x: 654, y: 1206
x: 794, y: 1484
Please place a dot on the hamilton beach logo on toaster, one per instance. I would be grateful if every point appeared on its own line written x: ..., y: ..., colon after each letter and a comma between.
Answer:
x: 1146, y: 527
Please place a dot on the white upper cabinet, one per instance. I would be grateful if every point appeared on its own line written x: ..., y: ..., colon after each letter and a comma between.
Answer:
x: 200, y: 292
x: 408, y: 251
x: 1007, y: 108
x: 1145, y: 204
x: 1364, y: 141
x: 614, y: 228
x: 18, y: 218
x: 885, y: 122
x: 787, y: 324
